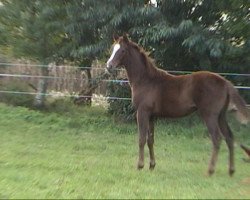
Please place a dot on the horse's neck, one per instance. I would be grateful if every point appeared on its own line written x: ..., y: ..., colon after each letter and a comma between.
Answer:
x: 135, y: 67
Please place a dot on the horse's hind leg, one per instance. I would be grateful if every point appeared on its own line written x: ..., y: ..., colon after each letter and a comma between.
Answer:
x: 227, y: 133
x: 150, y: 142
x: 214, y: 130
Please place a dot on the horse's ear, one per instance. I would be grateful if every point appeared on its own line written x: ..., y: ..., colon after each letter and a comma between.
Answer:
x: 115, y: 37
x: 125, y: 38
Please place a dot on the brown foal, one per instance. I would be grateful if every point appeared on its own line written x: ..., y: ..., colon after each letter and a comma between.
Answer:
x: 156, y: 93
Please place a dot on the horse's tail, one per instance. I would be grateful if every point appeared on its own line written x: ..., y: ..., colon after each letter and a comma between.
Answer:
x: 235, y: 98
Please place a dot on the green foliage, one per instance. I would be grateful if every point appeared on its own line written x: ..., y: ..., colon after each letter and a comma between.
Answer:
x: 16, y: 99
x: 181, y: 35
x: 33, y: 31
x: 193, y: 35
x: 121, y: 109
x: 33, y: 28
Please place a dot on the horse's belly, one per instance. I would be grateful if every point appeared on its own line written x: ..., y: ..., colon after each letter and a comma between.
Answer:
x: 175, y: 110
x: 162, y: 106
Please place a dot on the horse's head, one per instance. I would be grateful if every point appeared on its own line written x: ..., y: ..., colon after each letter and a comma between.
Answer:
x: 120, y: 50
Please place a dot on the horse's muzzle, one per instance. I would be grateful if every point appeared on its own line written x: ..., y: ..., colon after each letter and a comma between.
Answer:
x: 109, y: 68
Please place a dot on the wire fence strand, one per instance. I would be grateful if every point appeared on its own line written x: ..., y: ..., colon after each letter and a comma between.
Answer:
x: 101, y: 68
x: 57, y: 77
x: 73, y: 78
x: 63, y: 95
x: 65, y: 78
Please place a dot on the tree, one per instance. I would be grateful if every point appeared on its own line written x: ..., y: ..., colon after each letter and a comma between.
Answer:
x: 180, y: 35
x: 33, y: 34
x: 85, y: 39
x: 192, y: 35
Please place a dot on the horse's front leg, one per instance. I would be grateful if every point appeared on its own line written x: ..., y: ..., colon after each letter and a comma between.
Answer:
x: 143, y: 129
x: 150, y: 141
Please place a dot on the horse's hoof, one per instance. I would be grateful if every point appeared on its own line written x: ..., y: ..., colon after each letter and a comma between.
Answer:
x: 210, y: 172
x: 231, y: 172
x: 140, y: 166
x: 151, y: 166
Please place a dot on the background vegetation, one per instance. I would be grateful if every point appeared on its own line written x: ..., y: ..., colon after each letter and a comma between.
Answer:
x: 181, y: 35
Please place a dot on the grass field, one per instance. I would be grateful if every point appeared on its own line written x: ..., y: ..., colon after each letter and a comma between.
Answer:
x: 84, y: 153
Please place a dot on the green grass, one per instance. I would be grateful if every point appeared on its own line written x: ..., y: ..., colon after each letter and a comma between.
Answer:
x: 84, y: 153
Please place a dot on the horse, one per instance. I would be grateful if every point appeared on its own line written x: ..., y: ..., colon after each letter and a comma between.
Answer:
x: 156, y: 93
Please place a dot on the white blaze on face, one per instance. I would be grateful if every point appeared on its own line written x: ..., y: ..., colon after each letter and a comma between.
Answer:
x: 115, y: 49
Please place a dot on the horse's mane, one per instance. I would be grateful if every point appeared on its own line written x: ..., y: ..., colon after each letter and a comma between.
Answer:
x: 148, y: 62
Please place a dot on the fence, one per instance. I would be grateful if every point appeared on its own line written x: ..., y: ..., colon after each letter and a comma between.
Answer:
x: 69, y: 80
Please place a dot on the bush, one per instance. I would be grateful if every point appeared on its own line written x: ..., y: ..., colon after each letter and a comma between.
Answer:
x: 25, y: 100
x: 61, y: 105
x: 122, y: 109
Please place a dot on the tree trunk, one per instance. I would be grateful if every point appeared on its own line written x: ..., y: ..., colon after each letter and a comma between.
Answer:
x: 41, y: 89
x: 88, y: 91
x: 89, y: 99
